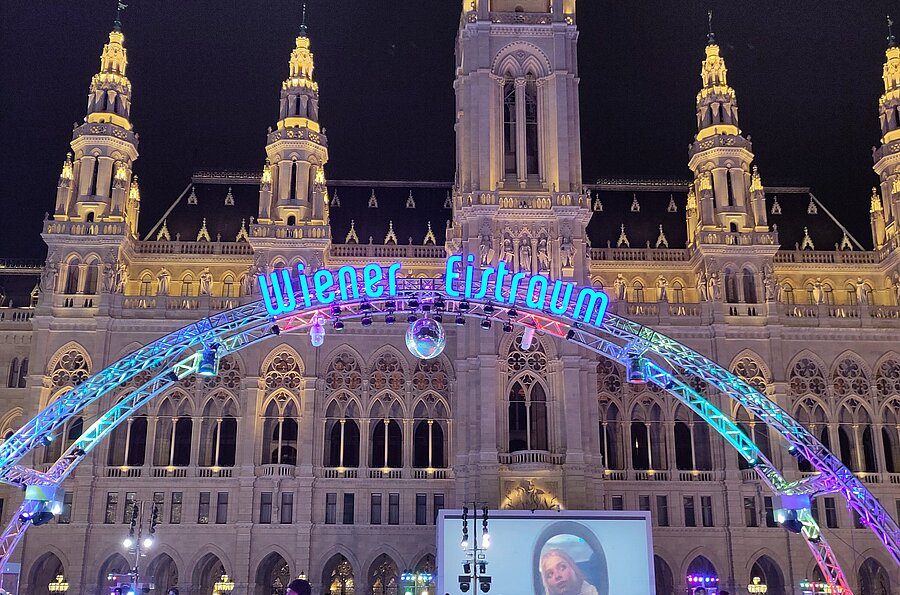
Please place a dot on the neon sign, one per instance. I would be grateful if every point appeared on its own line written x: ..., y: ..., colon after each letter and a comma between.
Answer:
x: 462, y: 280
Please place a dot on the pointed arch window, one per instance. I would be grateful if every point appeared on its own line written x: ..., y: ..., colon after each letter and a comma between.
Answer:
x: 731, y: 287
x: 146, y: 285
x: 531, y: 125
x: 637, y: 292
x: 787, y: 295
x: 23, y: 372
x: 429, y: 431
x: 748, y: 278
x: 91, y: 278
x: 187, y: 286
x: 527, y: 415
x: 218, y: 433
x: 228, y: 287
x: 72, y: 273
x: 692, y: 452
x: 648, y: 440
x: 292, y: 195
x: 509, y: 126
x: 677, y: 293
x: 95, y: 172
x: 729, y: 198
x: 128, y: 443
x: 387, y: 435
x: 342, y: 433
x: 12, y: 380
x: 280, y: 432
x: 890, y: 435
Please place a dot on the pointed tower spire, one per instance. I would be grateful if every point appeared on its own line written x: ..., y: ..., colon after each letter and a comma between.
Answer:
x: 297, y: 149
x: 117, y: 24
x: 886, y: 157
x: 720, y: 155
x: 105, y: 145
x: 711, y: 37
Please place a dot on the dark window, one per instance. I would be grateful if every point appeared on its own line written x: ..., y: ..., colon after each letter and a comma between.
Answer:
x: 287, y: 508
x: 662, y: 511
x: 770, y: 511
x: 175, y: 510
x: 112, y: 503
x: 750, y: 519
x: 438, y: 505
x: 348, y: 509
x: 203, y: 509
x: 130, y: 498
x: 65, y: 517
x: 814, y: 507
x: 394, y: 445
x: 690, y: 519
x: 509, y: 126
x: 857, y: 520
x: 183, y: 430
x: 706, y: 511
x: 618, y: 502
x: 531, y: 126
x: 265, y: 508
x: 421, y: 509
x: 330, y: 508
x: 393, y: 509
x: 897, y: 506
x: 13, y: 377
x: 222, y: 508
x: 159, y: 502
x: 830, y: 514
x: 375, y: 510
x: 644, y: 503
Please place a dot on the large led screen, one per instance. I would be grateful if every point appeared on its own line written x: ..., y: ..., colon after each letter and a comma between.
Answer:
x: 546, y: 553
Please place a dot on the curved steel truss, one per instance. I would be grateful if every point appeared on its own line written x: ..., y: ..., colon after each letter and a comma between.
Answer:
x: 663, y: 361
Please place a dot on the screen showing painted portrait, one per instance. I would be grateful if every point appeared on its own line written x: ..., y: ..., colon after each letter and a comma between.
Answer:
x: 548, y: 553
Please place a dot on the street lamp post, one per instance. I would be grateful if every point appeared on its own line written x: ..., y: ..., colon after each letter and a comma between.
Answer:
x: 136, y: 543
x: 475, y: 564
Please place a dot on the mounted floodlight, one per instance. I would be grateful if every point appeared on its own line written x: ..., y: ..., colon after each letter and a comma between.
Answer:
x: 439, y: 303
x: 512, y: 313
x: 412, y: 317
x: 276, y: 330
x: 128, y: 542
x: 486, y: 324
x: 489, y: 309
x: 338, y: 325
x: 464, y: 305
x: 413, y: 302
x: 365, y: 306
x: 367, y: 320
x: 171, y: 376
x: 635, y: 370
x: 570, y: 334
x: 507, y: 327
x: 209, y: 360
x: 460, y: 320
x: 390, y: 318
x: 788, y: 514
x: 147, y: 543
x: 335, y: 310
x: 527, y: 338
x: 390, y: 305
x: 438, y: 317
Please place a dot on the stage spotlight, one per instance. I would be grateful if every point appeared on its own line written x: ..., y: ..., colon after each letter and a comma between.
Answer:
x: 367, y: 320
x: 276, y: 330
x: 390, y: 305
x: 335, y: 310
x: 47, y: 439
x: 439, y: 303
x: 209, y: 360
x: 389, y: 318
x: 317, y: 331
x: 793, y: 525
x: 413, y: 302
x: 171, y: 376
x: 507, y: 327
x: 489, y: 309
x: 365, y: 306
x: 460, y: 320
x: 486, y: 324
x: 426, y: 307
x: 338, y: 325
x: 570, y: 335
x: 635, y: 371
x: 412, y: 317
x: 512, y: 313
x: 463, y: 306
x: 438, y: 317
x: 527, y: 338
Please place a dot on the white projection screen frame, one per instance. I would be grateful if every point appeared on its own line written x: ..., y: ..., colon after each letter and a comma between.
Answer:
x: 612, y: 550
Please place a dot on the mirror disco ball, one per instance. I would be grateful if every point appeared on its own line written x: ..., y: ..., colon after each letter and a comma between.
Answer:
x: 425, y: 338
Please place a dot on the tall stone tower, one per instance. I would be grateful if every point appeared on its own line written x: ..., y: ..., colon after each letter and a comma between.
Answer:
x: 885, y: 214
x: 726, y: 209
x: 518, y: 189
x: 95, y: 186
x: 293, y: 198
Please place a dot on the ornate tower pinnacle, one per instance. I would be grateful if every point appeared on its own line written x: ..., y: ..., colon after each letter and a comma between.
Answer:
x: 729, y: 197
x: 887, y: 161
x: 293, y: 192
x: 105, y: 146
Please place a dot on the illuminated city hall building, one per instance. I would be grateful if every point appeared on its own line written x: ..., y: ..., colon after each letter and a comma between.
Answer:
x: 334, y: 461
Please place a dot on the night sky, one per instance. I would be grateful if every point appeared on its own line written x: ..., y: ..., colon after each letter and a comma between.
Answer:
x: 206, y: 79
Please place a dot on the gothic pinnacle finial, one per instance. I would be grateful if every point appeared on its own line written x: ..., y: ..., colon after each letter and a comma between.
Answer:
x: 120, y: 6
x: 711, y: 37
x: 303, y: 27
x: 892, y: 41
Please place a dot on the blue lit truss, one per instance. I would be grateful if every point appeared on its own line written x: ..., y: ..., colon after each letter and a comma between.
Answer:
x: 175, y: 356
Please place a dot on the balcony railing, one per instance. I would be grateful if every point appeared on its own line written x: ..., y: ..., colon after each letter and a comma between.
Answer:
x: 194, y: 248
x: 523, y: 457
x: 215, y: 472
x: 276, y: 470
x: 826, y: 257
x: 640, y: 254
x: 376, y: 251
x: 651, y: 475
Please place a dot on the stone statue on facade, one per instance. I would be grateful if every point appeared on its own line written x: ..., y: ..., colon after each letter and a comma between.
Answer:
x: 525, y: 256
x: 702, y: 288
x: 109, y: 277
x: 861, y: 296
x: 662, y: 286
x: 543, y: 255
x: 163, y: 279
x: 247, y: 284
x: 715, y: 288
x: 121, y: 277
x: 508, y: 251
x: 567, y: 251
x: 48, y: 277
x: 897, y: 287
x: 205, y: 282
x: 818, y: 291
x: 486, y: 250
x: 619, y: 285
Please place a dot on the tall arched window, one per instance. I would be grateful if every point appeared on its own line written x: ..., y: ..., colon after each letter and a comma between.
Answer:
x: 146, y: 285
x: 531, y: 126
x: 341, y: 433
x: 648, y: 439
x: 384, y: 576
x: 91, y: 278
x: 609, y: 385
x: 387, y: 434
x: 509, y: 126
x: 810, y: 412
x: 749, y: 285
x: 228, y: 286
x: 218, y: 432
x: 187, y: 286
x: 855, y: 434
x: 637, y: 292
x: 429, y: 430
x: 12, y: 380
x: 527, y: 415
x: 280, y: 432
x: 677, y: 293
x: 95, y: 170
x: 691, y: 442
x: 292, y: 194
x: 731, y: 287
x: 787, y: 294
x: 72, y: 272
